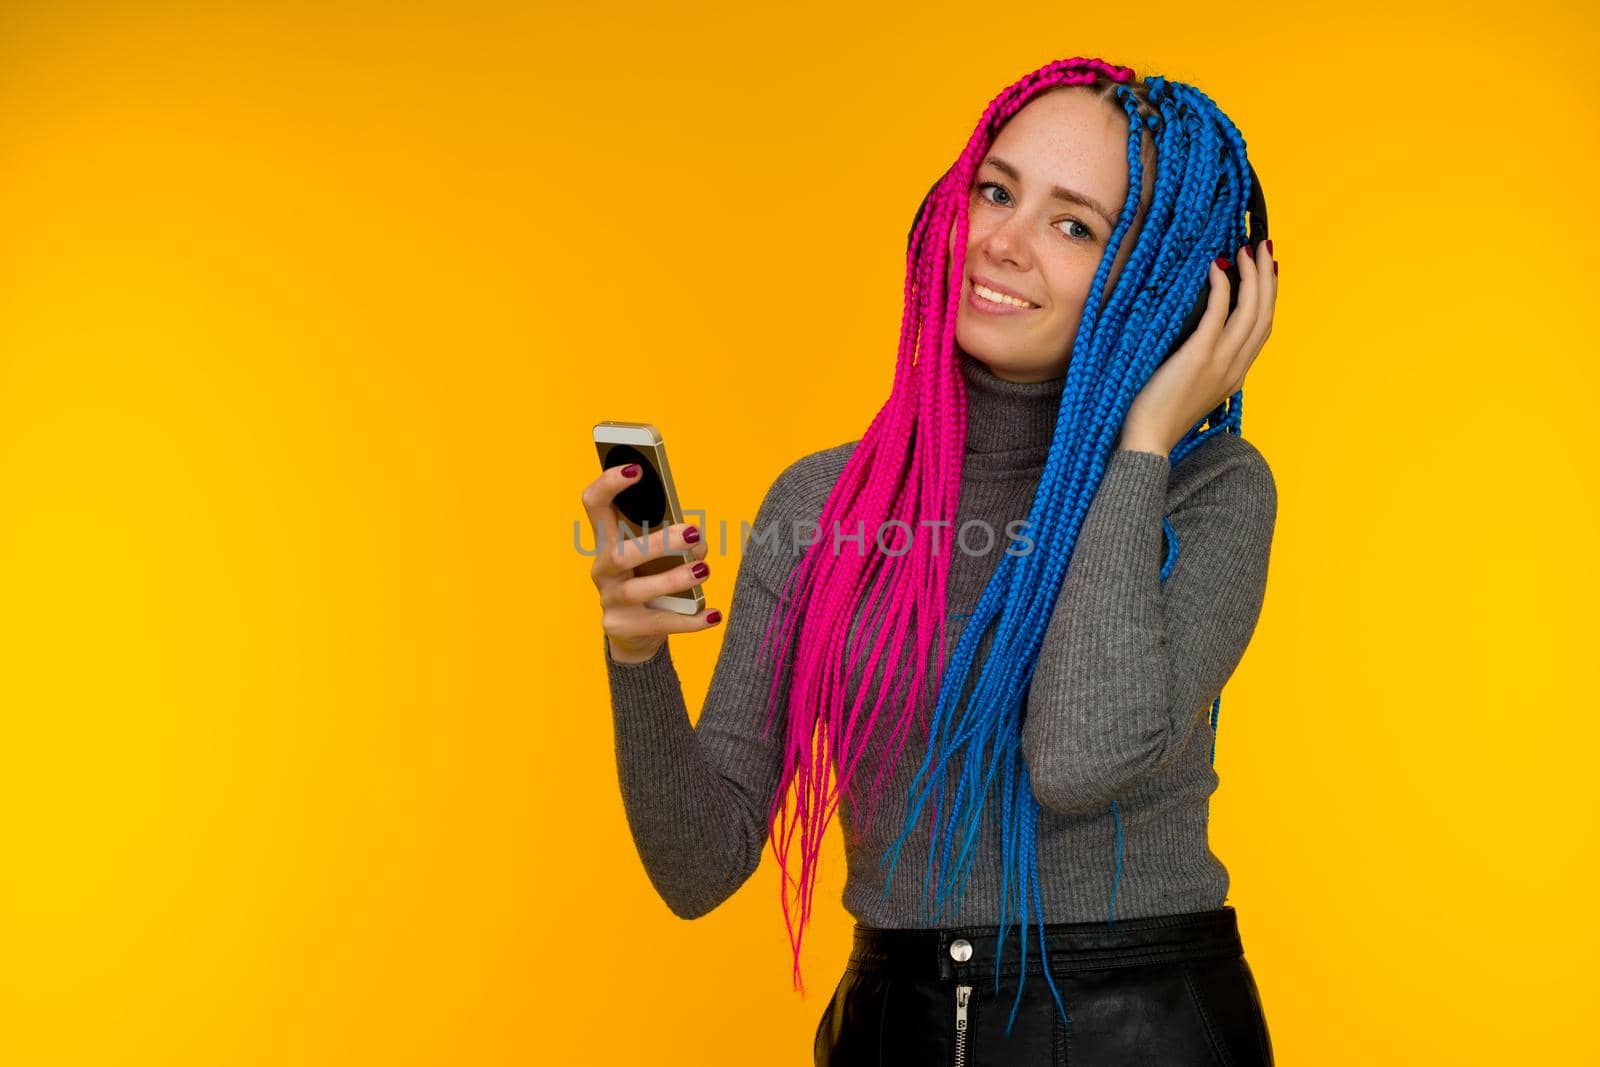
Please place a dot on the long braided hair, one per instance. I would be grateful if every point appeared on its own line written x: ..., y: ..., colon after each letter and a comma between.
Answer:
x: 906, y: 472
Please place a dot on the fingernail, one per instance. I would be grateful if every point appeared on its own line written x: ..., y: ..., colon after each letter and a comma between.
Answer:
x: 1221, y: 262
x: 692, y: 535
x: 713, y: 617
x: 700, y: 570
x: 1270, y: 252
x: 630, y: 471
x: 1249, y: 253
x: 1274, y: 268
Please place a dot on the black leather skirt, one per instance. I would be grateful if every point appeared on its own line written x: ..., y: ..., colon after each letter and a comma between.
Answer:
x: 1167, y: 990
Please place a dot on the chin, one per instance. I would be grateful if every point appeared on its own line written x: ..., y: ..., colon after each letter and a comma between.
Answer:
x: 995, y: 362
x: 989, y: 359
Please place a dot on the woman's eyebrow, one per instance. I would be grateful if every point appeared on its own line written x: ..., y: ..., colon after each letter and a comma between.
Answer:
x: 1071, y: 196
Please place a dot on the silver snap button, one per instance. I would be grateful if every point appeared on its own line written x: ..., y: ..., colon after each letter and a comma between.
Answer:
x: 961, y: 950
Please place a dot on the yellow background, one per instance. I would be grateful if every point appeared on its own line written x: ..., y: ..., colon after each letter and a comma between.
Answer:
x: 305, y: 316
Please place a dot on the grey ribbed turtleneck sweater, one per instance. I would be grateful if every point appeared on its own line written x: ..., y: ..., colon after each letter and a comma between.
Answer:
x: 1118, y: 708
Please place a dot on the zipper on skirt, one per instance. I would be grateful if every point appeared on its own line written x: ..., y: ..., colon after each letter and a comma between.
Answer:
x: 963, y: 995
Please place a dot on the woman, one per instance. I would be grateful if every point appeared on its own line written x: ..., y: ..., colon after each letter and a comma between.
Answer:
x: 1035, y: 571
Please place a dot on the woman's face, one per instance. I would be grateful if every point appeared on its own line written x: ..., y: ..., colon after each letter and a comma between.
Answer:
x: 1024, y: 239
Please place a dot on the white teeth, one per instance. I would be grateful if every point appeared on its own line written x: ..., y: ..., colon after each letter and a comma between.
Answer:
x: 999, y: 298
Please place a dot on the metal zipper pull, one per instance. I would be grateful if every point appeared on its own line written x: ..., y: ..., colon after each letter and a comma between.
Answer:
x: 963, y: 994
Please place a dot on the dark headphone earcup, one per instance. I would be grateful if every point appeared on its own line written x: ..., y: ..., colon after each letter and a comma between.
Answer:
x: 1192, y: 321
x: 1257, y: 219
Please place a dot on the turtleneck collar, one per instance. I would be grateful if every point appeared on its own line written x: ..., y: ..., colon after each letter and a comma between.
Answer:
x: 1009, y: 424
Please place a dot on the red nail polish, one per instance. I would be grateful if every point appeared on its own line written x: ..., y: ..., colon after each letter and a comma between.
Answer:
x: 692, y: 535
x: 1274, y: 268
x: 713, y: 617
x: 630, y: 471
x: 1221, y: 262
x: 700, y: 570
x: 1249, y: 253
x: 1270, y: 252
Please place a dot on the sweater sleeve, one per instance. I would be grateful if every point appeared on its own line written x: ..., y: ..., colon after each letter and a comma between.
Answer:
x: 697, y: 796
x: 1129, y: 664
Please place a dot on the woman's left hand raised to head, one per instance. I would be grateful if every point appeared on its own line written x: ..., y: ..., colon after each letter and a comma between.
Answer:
x: 1211, y: 365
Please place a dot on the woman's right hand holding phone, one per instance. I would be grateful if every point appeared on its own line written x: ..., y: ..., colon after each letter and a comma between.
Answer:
x: 634, y: 631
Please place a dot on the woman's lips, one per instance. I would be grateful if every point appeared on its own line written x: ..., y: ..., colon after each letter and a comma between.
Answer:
x: 986, y: 307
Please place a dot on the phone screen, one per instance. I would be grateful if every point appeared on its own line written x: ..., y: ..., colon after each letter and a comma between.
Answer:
x: 643, y: 505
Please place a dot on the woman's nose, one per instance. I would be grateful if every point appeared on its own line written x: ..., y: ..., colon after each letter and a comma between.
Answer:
x: 1006, y: 240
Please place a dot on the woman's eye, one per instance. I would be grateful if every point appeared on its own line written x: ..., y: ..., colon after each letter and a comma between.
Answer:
x: 1086, y: 235
x: 990, y: 185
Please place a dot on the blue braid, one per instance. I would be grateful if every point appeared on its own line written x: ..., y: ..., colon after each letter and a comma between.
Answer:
x: 1196, y: 212
x: 1116, y: 875
x: 1216, y: 705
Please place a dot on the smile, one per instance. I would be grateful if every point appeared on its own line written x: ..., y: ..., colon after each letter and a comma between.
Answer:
x: 1003, y: 306
x: 995, y: 297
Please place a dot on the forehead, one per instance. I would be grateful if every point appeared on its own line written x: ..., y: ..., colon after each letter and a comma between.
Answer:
x: 1072, y: 138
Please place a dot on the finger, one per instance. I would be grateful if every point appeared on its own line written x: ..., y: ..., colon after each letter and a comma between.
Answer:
x: 1266, y: 302
x: 1243, y: 318
x: 1269, y: 288
x: 632, y: 621
x: 668, y: 583
x: 603, y: 517
x: 1216, y: 313
x: 661, y: 541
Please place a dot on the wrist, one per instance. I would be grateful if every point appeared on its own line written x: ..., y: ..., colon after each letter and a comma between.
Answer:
x: 633, y: 655
x: 1143, y: 443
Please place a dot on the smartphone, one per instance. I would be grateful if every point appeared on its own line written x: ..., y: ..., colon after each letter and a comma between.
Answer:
x: 649, y: 503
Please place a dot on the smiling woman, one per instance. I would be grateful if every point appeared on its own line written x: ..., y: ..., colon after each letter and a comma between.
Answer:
x: 1054, y: 700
